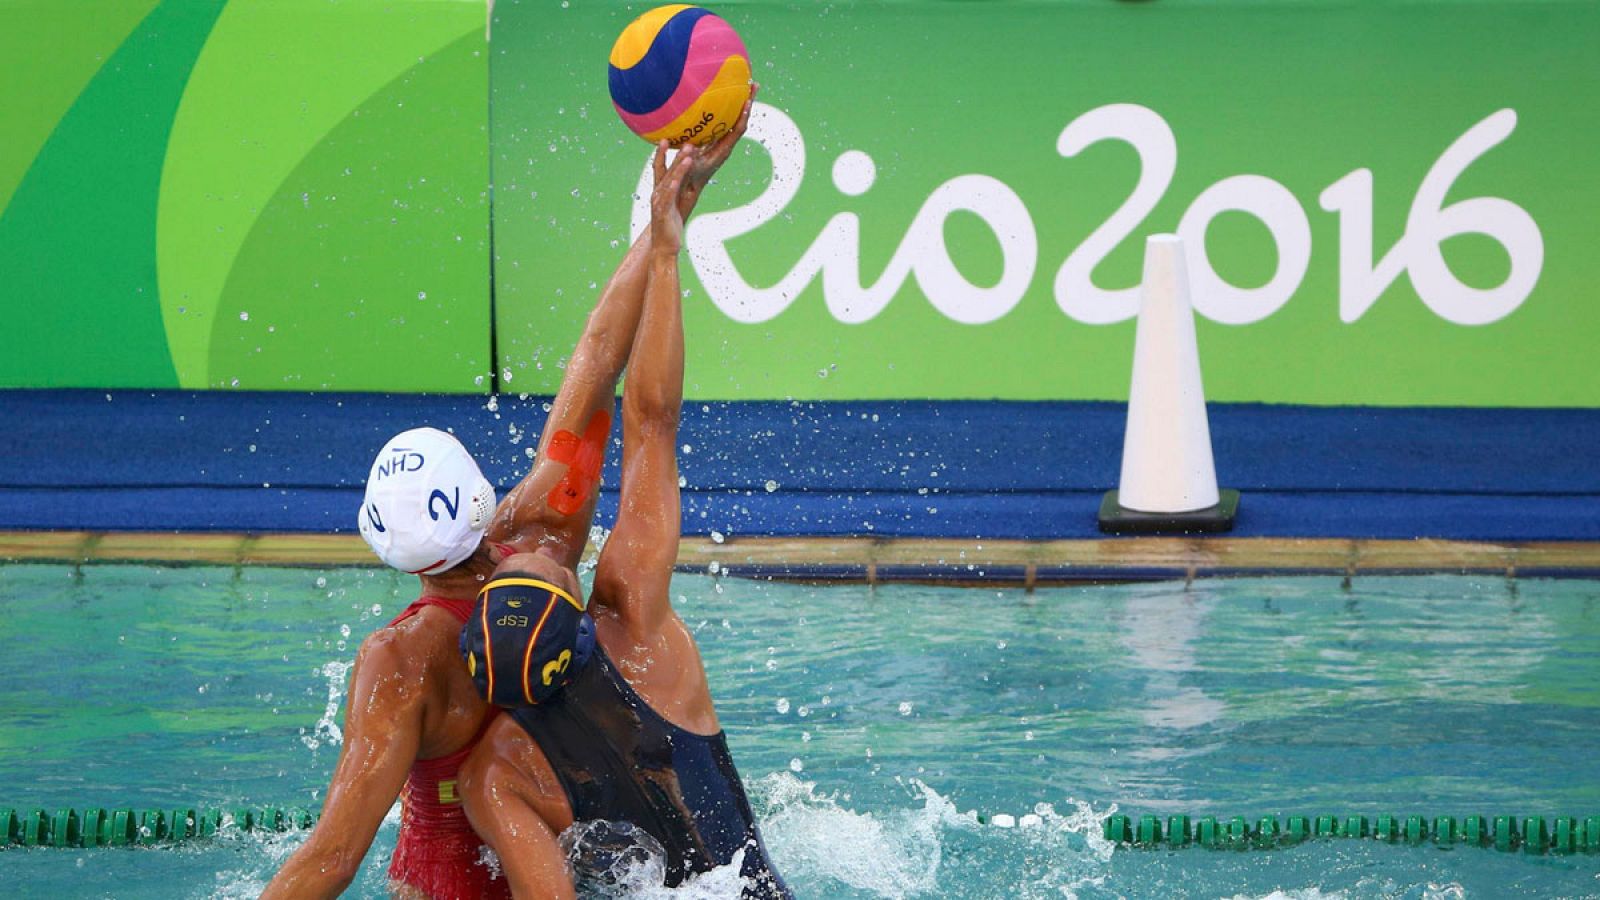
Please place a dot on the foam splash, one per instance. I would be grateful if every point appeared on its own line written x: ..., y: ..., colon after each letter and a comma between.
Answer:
x: 1365, y: 888
x: 893, y: 855
x: 264, y: 853
x: 915, y: 849
x: 267, y: 852
x: 1295, y: 894
x: 327, y: 730
x: 486, y: 856
x: 912, y: 852
x: 597, y: 542
x: 620, y: 860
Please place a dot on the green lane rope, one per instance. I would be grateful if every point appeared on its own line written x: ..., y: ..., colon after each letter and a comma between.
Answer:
x: 1530, y: 834
x: 98, y: 827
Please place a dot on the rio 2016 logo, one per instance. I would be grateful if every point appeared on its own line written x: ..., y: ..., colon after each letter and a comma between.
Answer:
x: 922, y: 254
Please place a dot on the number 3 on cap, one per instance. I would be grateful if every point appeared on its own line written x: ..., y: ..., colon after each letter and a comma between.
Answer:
x: 556, y: 666
x: 448, y: 506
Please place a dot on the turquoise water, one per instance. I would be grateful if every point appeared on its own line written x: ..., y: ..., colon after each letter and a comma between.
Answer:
x: 875, y: 725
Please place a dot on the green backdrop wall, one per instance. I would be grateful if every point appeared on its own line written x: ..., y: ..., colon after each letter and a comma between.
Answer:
x: 1385, y: 203
x: 262, y: 194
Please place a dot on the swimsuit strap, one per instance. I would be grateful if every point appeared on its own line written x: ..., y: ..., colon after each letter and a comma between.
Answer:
x: 461, y: 609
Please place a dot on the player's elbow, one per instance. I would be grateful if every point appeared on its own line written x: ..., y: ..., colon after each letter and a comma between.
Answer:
x: 475, y: 783
x: 483, y: 783
x: 652, y: 414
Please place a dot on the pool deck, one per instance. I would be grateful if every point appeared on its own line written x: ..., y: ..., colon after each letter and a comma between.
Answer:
x: 888, y: 560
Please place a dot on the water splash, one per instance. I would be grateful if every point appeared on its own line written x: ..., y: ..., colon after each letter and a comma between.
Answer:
x: 1367, y: 887
x: 922, y: 849
x: 621, y: 860
x: 327, y: 731
x: 894, y: 855
x: 597, y: 542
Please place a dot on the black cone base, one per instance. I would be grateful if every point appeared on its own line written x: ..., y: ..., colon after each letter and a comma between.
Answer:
x: 1116, y: 519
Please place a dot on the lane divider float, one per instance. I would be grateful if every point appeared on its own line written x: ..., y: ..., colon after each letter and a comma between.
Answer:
x: 1530, y: 834
x: 99, y: 827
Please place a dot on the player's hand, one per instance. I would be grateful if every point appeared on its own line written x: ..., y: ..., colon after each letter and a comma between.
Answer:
x: 666, y: 217
x: 714, y: 154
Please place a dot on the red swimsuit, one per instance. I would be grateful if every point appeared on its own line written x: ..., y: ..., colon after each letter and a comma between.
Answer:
x: 437, y: 851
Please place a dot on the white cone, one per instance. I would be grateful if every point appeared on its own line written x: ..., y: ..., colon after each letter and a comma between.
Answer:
x: 1166, y: 450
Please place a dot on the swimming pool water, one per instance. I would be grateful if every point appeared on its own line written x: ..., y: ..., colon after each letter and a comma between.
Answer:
x: 874, y: 725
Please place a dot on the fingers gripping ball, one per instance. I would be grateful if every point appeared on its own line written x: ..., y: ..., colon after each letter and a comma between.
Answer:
x: 679, y: 73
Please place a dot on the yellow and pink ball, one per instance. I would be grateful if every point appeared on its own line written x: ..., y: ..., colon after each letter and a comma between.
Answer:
x: 679, y: 73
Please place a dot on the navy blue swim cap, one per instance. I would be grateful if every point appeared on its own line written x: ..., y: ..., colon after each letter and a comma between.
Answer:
x: 525, y: 641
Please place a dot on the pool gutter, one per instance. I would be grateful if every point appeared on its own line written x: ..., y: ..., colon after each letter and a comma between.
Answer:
x: 984, y: 563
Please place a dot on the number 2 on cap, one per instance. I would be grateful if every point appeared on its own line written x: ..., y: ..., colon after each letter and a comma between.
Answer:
x: 448, y: 506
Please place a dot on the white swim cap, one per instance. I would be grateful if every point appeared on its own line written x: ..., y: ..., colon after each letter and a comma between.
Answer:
x: 427, y: 503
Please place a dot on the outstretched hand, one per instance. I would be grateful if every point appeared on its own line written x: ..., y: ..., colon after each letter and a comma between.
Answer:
x: 714, y: 154
x: 678, y: 187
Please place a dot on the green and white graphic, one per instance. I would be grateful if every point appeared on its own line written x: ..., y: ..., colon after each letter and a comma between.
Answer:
x: 254, y: 194
x: 1385, y: 203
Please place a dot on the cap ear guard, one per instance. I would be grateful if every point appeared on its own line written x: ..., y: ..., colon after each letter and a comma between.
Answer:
x: 480, y: 508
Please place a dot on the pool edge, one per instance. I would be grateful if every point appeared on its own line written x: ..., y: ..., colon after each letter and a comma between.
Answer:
x: 888, y: 560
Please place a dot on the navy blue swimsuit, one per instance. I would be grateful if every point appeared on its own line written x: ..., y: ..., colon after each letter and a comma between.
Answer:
x: 620, y: 761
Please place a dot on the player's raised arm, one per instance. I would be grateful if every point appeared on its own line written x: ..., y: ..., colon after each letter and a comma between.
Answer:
x: 554, y: 505
x: 637, y: 562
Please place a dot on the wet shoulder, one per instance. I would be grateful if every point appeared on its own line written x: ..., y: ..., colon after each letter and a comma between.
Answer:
x: 416, y: 643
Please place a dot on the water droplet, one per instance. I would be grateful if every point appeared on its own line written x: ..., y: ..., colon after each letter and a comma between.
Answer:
x: 244, y: 316
x: 771, y: 485
x: 905, y: 707
x: 422, y: 295
x: 717, y: 537
x: 782, y: 706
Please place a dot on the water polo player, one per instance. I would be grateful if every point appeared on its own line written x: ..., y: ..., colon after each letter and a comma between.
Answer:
x: 412, y: 714
x: 610, y: 718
